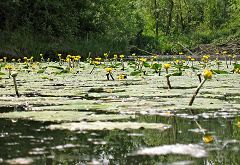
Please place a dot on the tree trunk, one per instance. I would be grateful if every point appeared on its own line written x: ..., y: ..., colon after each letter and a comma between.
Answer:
x: 156, y: 17
x: 169, y: 24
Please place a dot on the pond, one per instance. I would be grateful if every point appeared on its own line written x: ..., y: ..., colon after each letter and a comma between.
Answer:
x: 82, y: 118
x: 32, y: 141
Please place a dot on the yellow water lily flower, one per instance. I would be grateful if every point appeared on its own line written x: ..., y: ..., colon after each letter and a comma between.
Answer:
x: 208, y: 138
x: 96, y: 62
x: 68, y: 59
x: 237, y: 70
x: 109, y: 70
x: 122, y: 76
x: 166, y: 66
x: 105, y: 54
x: 69, y: 56
x: 98, y: 58
x: 238, y: 124
x: 207, y: 74
x: 115, y: 56
x: 9, y: 67
x: 121, y: 56
x: 177, y: 61
x: 142, y: 59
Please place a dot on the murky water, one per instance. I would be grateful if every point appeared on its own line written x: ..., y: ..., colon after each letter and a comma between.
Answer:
x: 84, y: 97
x: 32, y: 141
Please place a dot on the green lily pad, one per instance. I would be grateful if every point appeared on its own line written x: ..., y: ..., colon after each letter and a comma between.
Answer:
x: 63, y: 116
x: 108, y: 126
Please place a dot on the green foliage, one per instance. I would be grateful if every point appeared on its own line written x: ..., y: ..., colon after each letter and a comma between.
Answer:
x: 236, y: 66
x: 79, y: 27
x: 135, y: 73
x: 156, y: 66
x: 220, y: 72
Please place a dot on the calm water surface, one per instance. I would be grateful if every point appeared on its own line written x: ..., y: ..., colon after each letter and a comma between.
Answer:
x: 31, y: 140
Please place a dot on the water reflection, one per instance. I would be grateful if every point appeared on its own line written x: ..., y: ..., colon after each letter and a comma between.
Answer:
x: 29, y: 139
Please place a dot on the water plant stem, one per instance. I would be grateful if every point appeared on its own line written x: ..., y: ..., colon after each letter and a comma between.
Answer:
x: 196, y: 92
x: 168, y: 81
x: 199, y: 77
x: 92, y: 69
x: 14, y: 75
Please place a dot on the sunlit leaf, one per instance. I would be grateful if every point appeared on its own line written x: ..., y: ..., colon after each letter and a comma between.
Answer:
x: 135, y: 73
x: 176, y: 74
x: 56, y: 67
x: 236, y: 66
x: 1, y: 73
x: 220, y: 72
x: 145, y: 64
x: 156, y: 66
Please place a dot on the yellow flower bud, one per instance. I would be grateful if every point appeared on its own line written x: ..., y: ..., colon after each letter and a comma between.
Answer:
x: 207, y: 74
x: 98, y: 58
x: 142, y: 59
x: 96, y: 62
x: 208, y: 138
x: 108, y: 70
x: 166, y: 66
x: 122, y: 76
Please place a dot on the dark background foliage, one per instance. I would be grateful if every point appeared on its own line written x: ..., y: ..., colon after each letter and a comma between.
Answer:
x: 31, y: 27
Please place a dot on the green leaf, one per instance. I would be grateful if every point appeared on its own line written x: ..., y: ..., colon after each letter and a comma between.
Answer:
x: 195, y: 68
x: 156, y: 66
x: 1, y: 73
x: 56, y: 67
x: 145, y: 64
x: 220, y: 72
x: 40, y: 70
x: 185, y: 67
x: 176, y: 74
x: 236, y: 66
x: 178, y: 66
x: 135, y: 73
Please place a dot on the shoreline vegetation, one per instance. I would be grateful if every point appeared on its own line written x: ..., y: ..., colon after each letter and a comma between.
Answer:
x: 117, y: 27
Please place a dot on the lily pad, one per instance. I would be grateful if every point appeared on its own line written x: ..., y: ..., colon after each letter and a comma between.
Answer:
x: 63, y: 116
x: 108, y: 126
x: 192, y: 150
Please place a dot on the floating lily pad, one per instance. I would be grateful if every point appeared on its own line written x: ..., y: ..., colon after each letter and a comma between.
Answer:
x: 192, y: 150
x: 61, y: 116
x: 108, y: 126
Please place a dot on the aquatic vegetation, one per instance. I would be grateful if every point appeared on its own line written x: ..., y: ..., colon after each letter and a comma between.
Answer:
x: 166, y: 67
x: 14, y: 75
x: 64, y: 96
x: 207, y: 74
x: 208, y: 138
x: 185, y: 149
x: 108, y: 126
x: 109, y: 73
